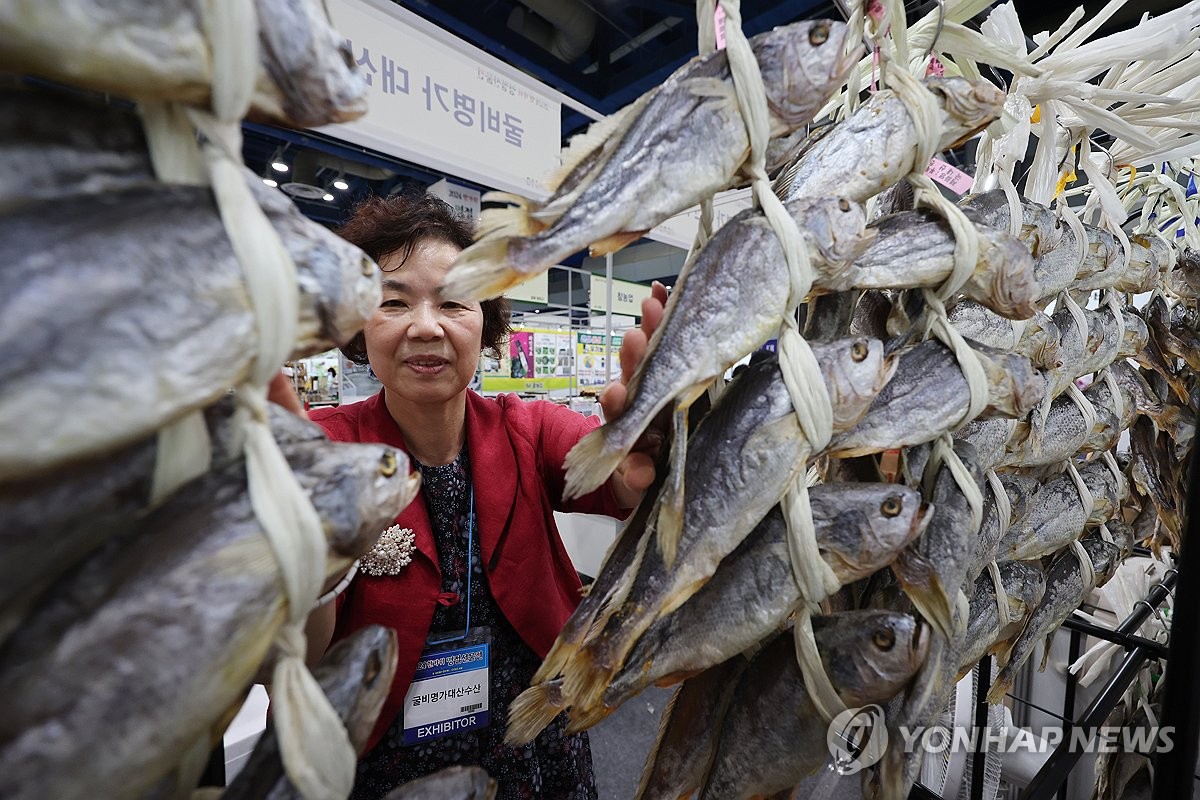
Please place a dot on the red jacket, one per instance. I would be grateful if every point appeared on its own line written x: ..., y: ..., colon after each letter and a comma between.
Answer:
x: 516, y: 450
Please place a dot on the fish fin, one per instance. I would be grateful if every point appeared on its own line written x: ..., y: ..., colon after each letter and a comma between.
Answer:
x: 1001, y: 687
x: 483, y: 271
x: 676, y: 678
x: 670, y: 524
x: 664, y: 722
x: 712, y: 87
x: 519, y: 219
x: 1046, y: 652
x: 584, y: 681
x: 555, y: 661
x: 670, y: 514
x: 923, y: 586
x: 597, y: 134
x: 581, y: 719
x: 613, y: 243
x: 531, y: 712
x: 590, y: 463
x: 1171, y: 419
x: 890, y: 774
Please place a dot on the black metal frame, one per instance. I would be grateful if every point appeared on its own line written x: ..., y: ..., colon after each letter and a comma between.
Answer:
x: 1183, y: 716
x: 1053, y: 775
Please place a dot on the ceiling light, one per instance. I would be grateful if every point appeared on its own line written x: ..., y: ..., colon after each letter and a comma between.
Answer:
x: 328, y: 198
x: 279, y: 166
x: 271, y: 182
x: 341, y: 184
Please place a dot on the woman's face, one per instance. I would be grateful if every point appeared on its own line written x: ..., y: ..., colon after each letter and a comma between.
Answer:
x: 423, y: 346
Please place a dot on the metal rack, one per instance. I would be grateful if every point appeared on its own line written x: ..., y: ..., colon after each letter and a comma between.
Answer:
x: 1174, y: 769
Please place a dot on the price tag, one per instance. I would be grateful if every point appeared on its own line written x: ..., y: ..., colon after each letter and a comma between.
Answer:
x: 935, y: 68
x: 949, y: 176
x: 719, y: 18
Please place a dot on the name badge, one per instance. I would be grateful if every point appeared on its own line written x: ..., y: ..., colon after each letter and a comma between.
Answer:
x: 448, y: 694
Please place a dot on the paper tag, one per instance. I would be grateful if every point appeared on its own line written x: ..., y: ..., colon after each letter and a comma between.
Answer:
x: 448, y: 694
x: 719, y: 18
x: 936, y: 68
x: 949, y: 176
x: 875, y: 10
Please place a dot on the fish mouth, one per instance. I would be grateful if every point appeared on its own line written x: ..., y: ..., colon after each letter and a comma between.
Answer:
x: 921, y: 520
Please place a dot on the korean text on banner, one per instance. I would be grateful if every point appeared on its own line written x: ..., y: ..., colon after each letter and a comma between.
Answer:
x: 451, y: 108
x: 627, y: 296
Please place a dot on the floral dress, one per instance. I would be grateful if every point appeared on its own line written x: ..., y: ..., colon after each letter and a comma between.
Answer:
x: 555, y: 765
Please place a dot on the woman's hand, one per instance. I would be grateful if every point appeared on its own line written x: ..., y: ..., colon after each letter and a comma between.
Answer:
x: 636, y: 471
x: 282, y: 391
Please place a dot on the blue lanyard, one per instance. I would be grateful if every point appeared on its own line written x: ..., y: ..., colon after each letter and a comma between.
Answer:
x: 470, y: 569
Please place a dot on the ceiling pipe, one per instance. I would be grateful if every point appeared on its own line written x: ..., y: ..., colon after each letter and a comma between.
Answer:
x: 565, y: 28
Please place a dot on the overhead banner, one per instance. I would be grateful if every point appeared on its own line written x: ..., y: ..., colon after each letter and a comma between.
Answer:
x: 438, y: 101
x: 680, y: 230
x: 534, y: 290
x: 627, y: 296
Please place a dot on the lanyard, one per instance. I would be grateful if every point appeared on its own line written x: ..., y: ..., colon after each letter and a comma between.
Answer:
x: 470, y: 569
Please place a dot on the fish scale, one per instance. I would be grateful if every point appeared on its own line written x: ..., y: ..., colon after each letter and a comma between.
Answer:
x: 190, y: 599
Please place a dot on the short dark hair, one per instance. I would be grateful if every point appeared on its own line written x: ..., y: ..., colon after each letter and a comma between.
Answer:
x: 385, y: 226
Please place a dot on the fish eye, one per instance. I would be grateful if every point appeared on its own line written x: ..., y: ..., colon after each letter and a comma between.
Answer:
x: 374, y: 667
x: 859, y: 350
x: 884, y: 639
x: 892, y: 505
x: 843, y: 204
x: 367, y: 266
x: 387, y: 464
x: 819, y: 34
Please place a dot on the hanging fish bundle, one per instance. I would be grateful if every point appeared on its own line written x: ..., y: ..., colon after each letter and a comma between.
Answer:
x: 1002, y: 346
x: 164, y: 538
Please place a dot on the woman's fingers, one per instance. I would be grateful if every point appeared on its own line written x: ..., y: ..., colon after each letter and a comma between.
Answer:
x: 612, y: 400
x: 282, y: 391
x: 652, y: 308
x: 637, y: 470
x: 633, y: 350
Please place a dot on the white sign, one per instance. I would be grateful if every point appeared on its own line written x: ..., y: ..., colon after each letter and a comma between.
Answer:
x: 464, y: 201
x: 438, y: 101
x: 534, y: 290
x: 680, y: 230
x: 627, y: 296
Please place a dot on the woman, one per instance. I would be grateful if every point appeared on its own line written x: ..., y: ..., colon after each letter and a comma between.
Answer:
x: 487, y: 575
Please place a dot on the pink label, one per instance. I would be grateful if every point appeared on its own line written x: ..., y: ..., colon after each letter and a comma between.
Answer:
x: 951, y: 177
x: 875, y: 10
x: 719, y: 17
x: 935, y: 68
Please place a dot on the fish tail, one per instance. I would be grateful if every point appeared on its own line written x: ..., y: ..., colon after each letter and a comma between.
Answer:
x: 923, y: 586
x: 556, y: 660
x: 532, y: 711
x: 484, y: 270
x: 590, y: 462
